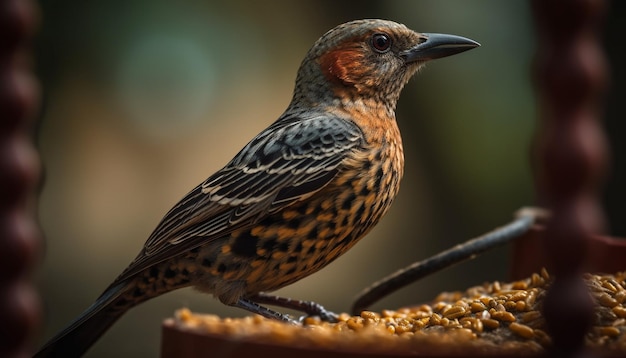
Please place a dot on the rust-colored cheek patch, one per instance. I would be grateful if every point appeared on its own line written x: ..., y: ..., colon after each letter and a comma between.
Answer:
x: 345, y: 65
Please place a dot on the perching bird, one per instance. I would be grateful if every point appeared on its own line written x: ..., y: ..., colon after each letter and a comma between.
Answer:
x: 296, y: 197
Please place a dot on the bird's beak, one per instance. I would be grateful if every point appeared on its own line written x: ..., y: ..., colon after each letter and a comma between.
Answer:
x: 437, y: 46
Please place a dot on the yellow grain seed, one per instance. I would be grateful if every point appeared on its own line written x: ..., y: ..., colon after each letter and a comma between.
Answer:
x: 462, y: 303
x: 520, y: 306
x: 402, y: 315
x: 445, y: 322
x: 490, y: 323
x: 500, y: 307
x: 184, y: 314
x: 619, y: 283
x: 492, y: 303
x: 478, y: 326
x: 608, y: 331
x: 510, y: 305
x: 519, y: 285
x: 620, y: 296
x: 544, y: 274
x: 519, y: 296
x: 536, y: 280
x: 370, y: 315
x: 355, y: 323
x: 484, y: 314
x: 485, y: 300
x: 542, y: 337
x: 343, y: 317
x: 402, y: 329
x: 435, y: 319
x: 477, y: 306
x: 454, y: 312
x: 403, y: 322
x: 521, y: 330
x: 620, y: 311
x: 372, y: 322
x: 609, y: 286
x: 419, y: 315
x: 615, y: 283
x: 503, y: 316
x: 531, y: 297
x: 391, y: 329
x: 530, y: 316
x: 496, y: 287
x: 465, y: 333
x: 339, y: 326
x: 472, y: 323
x: 441, y: 306
x: 424, y: 308
x: 419, y: 324
x: 607, y: 301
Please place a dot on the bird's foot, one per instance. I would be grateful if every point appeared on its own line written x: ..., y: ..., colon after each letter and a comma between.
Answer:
x: 254, y: 307
x: 314, y: 309
x: 309, y: 307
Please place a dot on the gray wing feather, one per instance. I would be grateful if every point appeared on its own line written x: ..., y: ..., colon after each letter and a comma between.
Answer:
x: 289, y: 161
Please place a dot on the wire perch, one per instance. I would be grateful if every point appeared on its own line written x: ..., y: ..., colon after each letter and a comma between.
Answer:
x: 524, y: 220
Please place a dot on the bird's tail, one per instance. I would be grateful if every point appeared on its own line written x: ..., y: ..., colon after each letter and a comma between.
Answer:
x: 76, y: 338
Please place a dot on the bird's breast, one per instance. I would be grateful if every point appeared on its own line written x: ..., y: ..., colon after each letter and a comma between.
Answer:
x: 375, y: 173
x: 307, y: 235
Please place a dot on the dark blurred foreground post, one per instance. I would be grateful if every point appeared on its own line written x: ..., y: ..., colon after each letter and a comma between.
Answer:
x: 570, y: 152
x: 19, y: 176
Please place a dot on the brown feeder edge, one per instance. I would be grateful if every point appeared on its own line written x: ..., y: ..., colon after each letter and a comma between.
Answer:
x: 177, y: 342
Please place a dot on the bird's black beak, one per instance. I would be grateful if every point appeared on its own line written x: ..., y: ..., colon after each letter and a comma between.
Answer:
x: 437, y: 46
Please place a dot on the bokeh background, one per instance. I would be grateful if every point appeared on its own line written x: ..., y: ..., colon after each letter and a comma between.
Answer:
x: 145, y: 99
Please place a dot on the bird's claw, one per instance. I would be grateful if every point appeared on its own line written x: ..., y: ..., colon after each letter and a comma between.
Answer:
x: 323, y: 314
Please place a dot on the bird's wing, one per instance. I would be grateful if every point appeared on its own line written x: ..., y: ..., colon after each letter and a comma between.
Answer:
x: 289, y: 161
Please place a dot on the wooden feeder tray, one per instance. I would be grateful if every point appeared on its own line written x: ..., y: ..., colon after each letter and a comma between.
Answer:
x: 495, y: 319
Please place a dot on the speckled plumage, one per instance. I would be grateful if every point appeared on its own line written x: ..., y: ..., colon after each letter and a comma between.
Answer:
x: 296, y: 197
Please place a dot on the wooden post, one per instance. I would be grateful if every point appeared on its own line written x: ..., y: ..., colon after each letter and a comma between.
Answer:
x: 19, y: 177
x: 570, y: 77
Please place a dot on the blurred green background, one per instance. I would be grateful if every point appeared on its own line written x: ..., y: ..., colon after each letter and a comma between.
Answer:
x: 145, y: 99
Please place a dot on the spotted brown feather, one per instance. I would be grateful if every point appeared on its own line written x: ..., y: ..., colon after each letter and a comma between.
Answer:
x: 287, y: 162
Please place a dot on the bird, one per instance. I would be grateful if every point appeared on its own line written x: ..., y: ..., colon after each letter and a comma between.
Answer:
x: 297, y: 196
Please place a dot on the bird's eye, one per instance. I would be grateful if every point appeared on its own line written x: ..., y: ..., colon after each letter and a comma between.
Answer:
x: 381, y: 42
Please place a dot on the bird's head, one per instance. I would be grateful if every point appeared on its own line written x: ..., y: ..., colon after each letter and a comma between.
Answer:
x: 369, y: 60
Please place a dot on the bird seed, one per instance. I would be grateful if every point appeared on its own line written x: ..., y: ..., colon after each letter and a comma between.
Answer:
x: 491, y: 318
